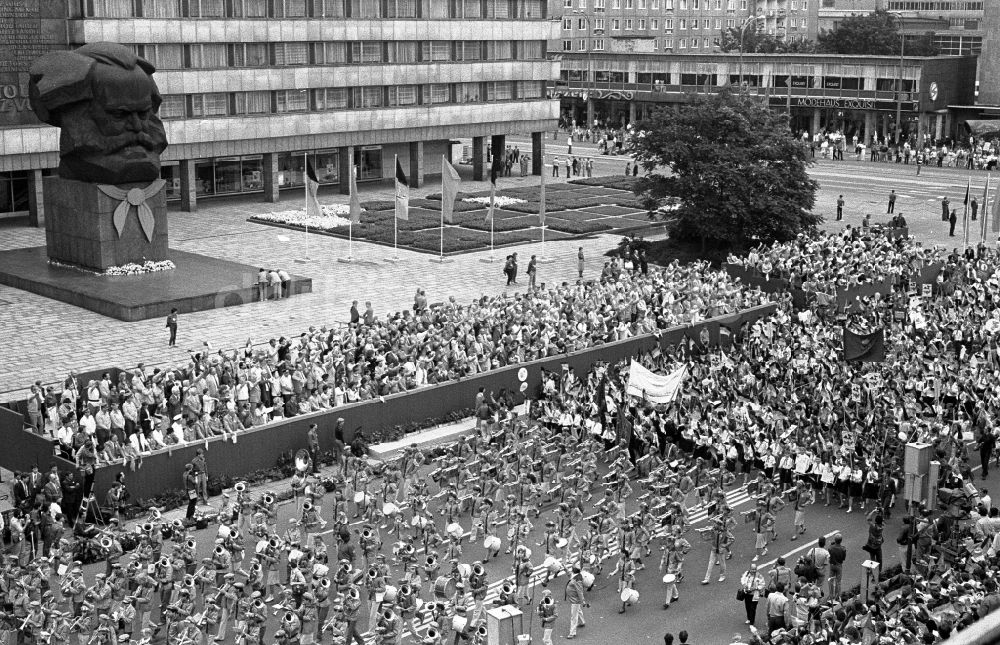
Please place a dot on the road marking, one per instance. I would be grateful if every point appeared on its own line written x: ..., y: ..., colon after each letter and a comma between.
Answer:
x: 769, y: 563
x: 697, y: 515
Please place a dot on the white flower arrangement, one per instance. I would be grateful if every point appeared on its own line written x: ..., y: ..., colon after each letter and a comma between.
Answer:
x: 138, y: 269
x: 332, y: 217
x: 500, y: 201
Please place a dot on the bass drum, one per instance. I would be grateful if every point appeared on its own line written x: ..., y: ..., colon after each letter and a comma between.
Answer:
x: 630, y: 595
x: 444, y: 587
x: 588, y: 580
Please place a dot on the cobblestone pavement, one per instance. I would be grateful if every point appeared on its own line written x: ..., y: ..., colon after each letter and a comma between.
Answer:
x: 44, y: 338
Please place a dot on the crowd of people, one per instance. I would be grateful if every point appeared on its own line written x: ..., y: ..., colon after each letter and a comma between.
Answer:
x: 971, y: 154
x: 610, y: 477
x: 219, y: 393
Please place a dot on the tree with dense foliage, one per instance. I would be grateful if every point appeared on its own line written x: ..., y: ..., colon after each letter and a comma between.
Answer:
x: 734, y: 165
x: 758, y: 42
x: 874, y: 34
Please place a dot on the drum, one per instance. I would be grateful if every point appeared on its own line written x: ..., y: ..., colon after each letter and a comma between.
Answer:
x: 379, y: 597
x: 561, y: 543
x: 464, y: 570
x: 261, y: 547
x: 389, y: 509
x: 629, y: 595
x: 360, y: 497
x: 552, y: 564
x: 391, y: 594
x: 418, y: 521
x: 588, y: 579
x: 294, y: 556
x: 669, y: 578
x: 223, y: 532
x: 320, y: 570
x: 458, y: 623
x: 444, y: 587
x: 491, y: 543
x: 454, y: 529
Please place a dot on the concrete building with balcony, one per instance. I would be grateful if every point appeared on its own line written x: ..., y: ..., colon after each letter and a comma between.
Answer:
x: 957, y: 25
x: 672, y: 26
x: 254, y: 89
x: 856, y: 95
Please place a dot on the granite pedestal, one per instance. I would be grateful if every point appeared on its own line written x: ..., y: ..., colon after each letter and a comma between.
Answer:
x: 198, y: 283
x: 80, y: 224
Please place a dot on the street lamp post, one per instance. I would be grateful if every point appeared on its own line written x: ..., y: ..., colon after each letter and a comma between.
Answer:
x: 899, y: 81
x: 743, y: 31
x: 590, y: 71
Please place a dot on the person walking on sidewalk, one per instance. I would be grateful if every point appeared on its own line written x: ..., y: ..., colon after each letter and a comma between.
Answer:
x: 576, y: 600
x: 892, y: 202
x: 172, y: 326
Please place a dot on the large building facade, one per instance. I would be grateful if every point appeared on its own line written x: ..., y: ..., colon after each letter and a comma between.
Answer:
x: 674, y: 26
x: 958, y: 25
x: 856, y: 95
x: 253, y: 90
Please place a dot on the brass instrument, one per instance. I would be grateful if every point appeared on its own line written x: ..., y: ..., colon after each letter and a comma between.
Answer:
x: 147, y: 527
x: 240, y: 487
x: 372, y: 573
x: 477, y: 569
x: 106, y: 543
x: 306, y: 507
x: 190, y: 544
x: 177, y: 525
x: 268, y: 499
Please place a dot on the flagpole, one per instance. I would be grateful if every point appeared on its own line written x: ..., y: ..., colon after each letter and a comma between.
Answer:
x: 354, y: 213
x: 965, y: 215
x: 985, y: 214
x: 449, y: 191
x: 542, y: 259
x: 395, y: 216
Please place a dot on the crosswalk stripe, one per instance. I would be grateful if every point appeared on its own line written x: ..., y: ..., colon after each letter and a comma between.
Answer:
x: 697, y: 514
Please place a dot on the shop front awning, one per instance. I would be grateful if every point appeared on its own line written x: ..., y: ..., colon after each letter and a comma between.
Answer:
x: 983, y: 127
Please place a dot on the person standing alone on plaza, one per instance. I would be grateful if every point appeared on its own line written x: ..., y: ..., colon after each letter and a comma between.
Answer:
x: 840, y: 208
x: 579, y: 262
x: 555, y: 167
x: 172, y: 326
x: 952, y: 220
x: 532, y: 272
x: 191, y: 489
x: 892, y: 202
x: 945, y: 209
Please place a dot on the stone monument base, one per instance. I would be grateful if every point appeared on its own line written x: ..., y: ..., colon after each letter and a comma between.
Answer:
x: 80, y: 224
x: 198, y: 283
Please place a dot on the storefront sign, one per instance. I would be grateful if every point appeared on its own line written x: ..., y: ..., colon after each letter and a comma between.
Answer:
x: 843, y: 103
x: 632, y: 45
x: 614, y: 95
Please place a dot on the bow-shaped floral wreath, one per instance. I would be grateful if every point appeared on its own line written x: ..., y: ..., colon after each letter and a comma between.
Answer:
x: 134, y: 197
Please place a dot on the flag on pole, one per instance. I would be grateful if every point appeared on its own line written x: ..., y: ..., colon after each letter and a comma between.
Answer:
x: 868, y: 348
x: 450, y: 181
x: 984, y: 216
x: 312, y: 185
x: 355, y: 198
x: 493, y: 190
x: 996, y: 211
x: 541, y: 199
x: 965, y: 213
x: 402, y: 193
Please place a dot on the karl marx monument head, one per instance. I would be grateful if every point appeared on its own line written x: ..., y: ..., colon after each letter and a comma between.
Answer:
x: 104, y: 99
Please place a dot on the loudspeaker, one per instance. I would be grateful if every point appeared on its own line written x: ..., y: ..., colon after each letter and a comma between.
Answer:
x: 914, y: 487
x: 933, y: 476
x: 504, y: 625
x: 916, y: 458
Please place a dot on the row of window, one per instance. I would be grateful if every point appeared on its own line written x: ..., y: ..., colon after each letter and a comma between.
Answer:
x: 666, y: 5
x: 653, y: 24
x: 935, y: 5
x: 753, y: 80
x: 433, y: 9
x: 224, y: 55
x: 220, y: 104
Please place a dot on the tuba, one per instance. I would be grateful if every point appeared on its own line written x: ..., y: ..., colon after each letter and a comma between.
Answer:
x: 372, y: 572
x: 106, y: 543
x: 233, y: 534
x: 303, y: 461
x: 147, y: 527
x: 306, y: 507
x: 268, y: 499
x: 190, y: 545
x: 366, y: 534
x: 240, y: 487
x: 478, y: 570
